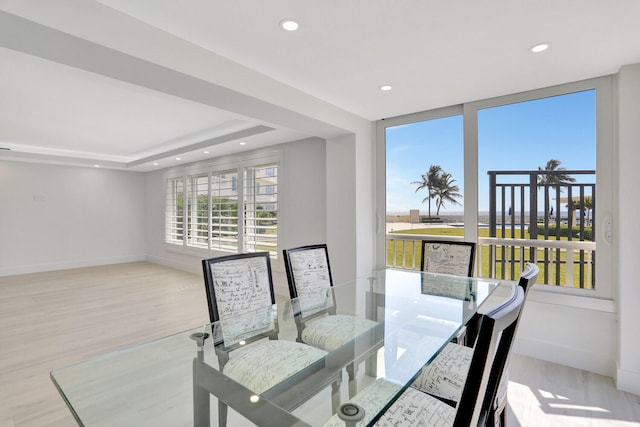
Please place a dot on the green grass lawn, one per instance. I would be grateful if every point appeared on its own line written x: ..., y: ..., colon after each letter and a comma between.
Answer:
x: 405, y: 249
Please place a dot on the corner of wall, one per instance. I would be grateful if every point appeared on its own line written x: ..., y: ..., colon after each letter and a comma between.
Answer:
x: 628, y: 381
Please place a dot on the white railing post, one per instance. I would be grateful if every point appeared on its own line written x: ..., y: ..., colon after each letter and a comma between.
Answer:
x: 413, y: 263
x: 569, y: 269
x: 393, y: 260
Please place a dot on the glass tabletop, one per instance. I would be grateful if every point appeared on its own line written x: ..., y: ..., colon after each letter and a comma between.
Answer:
x: 178, y: 381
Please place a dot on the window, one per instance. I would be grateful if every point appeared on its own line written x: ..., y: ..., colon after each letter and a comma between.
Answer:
x: 198, y: 211
x: 224, y: 211
x: 174, y: 211
x: 216, y: 207
x: 570, y: 123
x: 535, y: 194
x: 425, y: 190
x: 260, y: 209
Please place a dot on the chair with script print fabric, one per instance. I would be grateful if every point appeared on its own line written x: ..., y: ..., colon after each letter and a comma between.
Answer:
x: 310, y: 282
x: 445, y: 377
x: 241, y: 299
x: 444, y: 257
x: 453, y: 258
x: 416, y: 408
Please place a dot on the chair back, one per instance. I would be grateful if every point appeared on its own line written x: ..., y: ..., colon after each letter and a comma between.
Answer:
x: 528, y: 276
x: 497, y: 330
x: 240, y: 296
x: 308, y: 269
x: 309, y: 277
x: 445, y: 257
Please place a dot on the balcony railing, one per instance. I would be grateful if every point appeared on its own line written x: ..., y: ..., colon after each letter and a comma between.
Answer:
x: 557, y: 234
x: 563, y: 263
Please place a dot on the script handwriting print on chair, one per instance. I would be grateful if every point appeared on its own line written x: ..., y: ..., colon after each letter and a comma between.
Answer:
x: 241, y: 299
x: 444, y: 378
x: 452, y: 258
x: 310, y: 282
x: 445, y: 257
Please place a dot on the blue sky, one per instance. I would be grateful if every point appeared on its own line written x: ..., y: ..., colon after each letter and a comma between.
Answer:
x: 520, y: 136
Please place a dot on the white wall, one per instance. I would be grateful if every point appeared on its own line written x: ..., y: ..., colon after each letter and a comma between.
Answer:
x: 341, y: 207
x: 57, y: 217
x: 627, y: 229
x: 302, y: 217
x: 581, y: 337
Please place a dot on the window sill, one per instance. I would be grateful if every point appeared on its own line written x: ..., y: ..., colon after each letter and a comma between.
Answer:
x: 547, y: 295
x: 190, y: 250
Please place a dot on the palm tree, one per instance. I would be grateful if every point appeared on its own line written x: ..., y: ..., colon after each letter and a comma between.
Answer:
x: 446, y: 191
x: 555, y: 180
x: 588, y: 205
x: 430, y: 181
x: 585, y: 207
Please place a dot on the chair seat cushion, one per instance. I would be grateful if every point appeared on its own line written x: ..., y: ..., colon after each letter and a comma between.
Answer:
x: 263, y: 364
x: 415, y: 408
x: 412, y: 408
x: 372, y: 399
x: 445, y: 376
x: 331, y: 332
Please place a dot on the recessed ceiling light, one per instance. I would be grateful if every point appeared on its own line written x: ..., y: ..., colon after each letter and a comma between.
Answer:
x: 205, y: 152
x: 386, y: 88
x: 289, y: 25
x: 540, y: 47
x: 155, y: 163
x: 178, y: 158
x: 243, y: 143
x: 96, y: 166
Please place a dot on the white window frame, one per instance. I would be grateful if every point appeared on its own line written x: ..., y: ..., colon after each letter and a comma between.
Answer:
x: 600, y: 297
x: 238, y: 164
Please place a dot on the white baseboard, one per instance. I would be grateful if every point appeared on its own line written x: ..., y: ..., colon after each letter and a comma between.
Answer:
x: 628, y: 381
x: 566, y: 356
x: 40, y: 268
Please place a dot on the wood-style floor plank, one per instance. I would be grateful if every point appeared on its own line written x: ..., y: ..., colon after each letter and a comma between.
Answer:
x: 546, y: 394
x: 50, y: 320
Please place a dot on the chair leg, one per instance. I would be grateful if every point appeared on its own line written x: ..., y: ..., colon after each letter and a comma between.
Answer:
x: 222, y: 414
x: 498, y: 416
x: 371, y: 365
x: 491, y: 418
x: 352, y: 369
x: 335, y: 394
x: 503, y: 416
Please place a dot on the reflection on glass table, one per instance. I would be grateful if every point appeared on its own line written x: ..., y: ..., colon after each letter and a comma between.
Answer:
x: 176, y: 381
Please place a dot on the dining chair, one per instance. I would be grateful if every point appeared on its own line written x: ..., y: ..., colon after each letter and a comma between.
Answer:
x: 447, y: 257
x: 319, y: 325
x: 241, y: 299
x: 445, y: 377
x: 453, y: 258
x: 414, y: 407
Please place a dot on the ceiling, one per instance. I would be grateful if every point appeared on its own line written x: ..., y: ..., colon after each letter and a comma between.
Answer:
x: 74, y: 106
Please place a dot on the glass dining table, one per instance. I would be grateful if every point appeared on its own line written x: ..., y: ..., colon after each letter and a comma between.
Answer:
x: 178, y: 381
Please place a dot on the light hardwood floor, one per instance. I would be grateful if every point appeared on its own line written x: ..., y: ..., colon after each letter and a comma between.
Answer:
x: 50, y: 320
